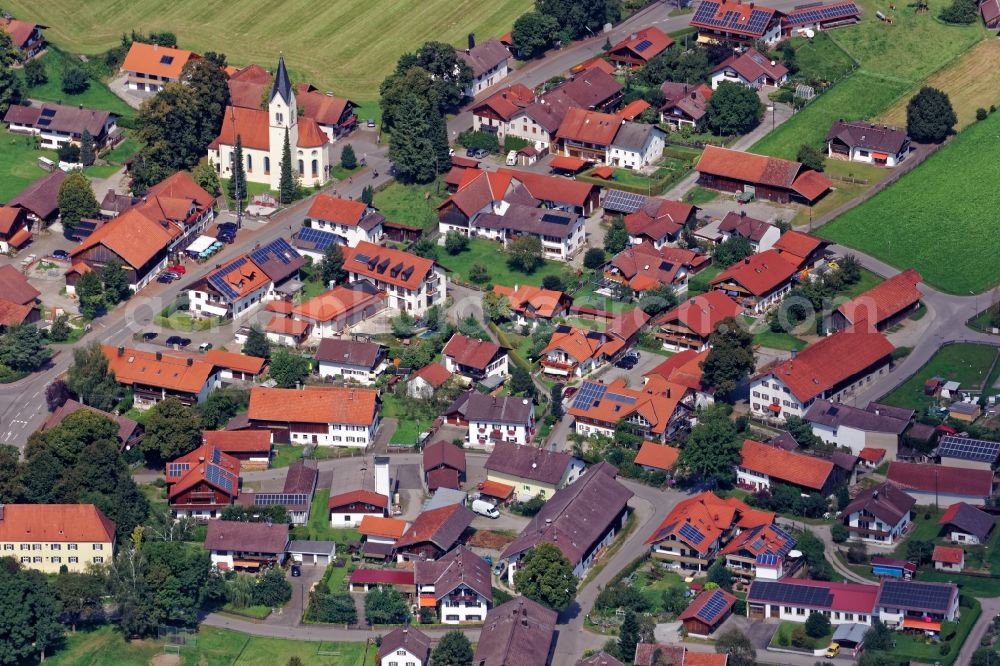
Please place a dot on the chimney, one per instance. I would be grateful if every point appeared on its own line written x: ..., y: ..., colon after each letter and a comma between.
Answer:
x: 633, y: 36
x: 795, y: 352
x: 747, y: 261
x: 1, y: 512
x: 472, y: 40
x: 190, y: 361
x: 743, y: 213
x: 121, y: 351
x: 159, y: 356
x: 201, y: 459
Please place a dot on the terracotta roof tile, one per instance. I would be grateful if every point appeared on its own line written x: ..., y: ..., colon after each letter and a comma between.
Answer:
x: 787, y: 466
x: 748, y: 167
x: 285, y: 326
x: 585, y: 126
x: 702, y: 313
x: 682, y: 368
x: 169, y: 372
x: 656, y: 455
x: 630, y: 46
x: 470, y: 351
x: 55, y: 523
x: 633, y: 109
x: 20, y: 31
x: 533, y: 301
x: 742, y: 25
x: 948, y: 555
x: 443, y: 453
x: 619, y: 402
x: 760, y: 274
x: 358, y: 496
x: 434, y: 374
x: 798, y: 244
x: 334, y: 209
x: 322, y: 108
x: 442, y: 527
x: 872, y: 454
x: 247, y: 537
x: 507, y: 102
x: 132, y: 236
x: 338, y: 302
x: 161, y: 61
x: 15, y: 286
x: 314, y: 404
x: 941, y: 478
x: 884, y: 300
x: 388, y: 265
x: 235, y: 361
x: 392, y: 528
x: 711, y: 516
x: 238, y: 441
x: 752, y: 65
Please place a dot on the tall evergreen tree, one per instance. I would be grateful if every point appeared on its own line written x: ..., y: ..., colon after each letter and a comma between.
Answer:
x: 238, y: 179
x: 628, y: 635
x: 87, y: 155
x: 410, y: 146
x: 11, y: 89
x: 286, y: 186
x: 439, y: 142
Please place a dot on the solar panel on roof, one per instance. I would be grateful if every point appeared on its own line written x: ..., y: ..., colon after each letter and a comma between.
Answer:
x: 285, y: 499
x: 320, y: 240
x: 767, y: 559
x: 966, y: 448
x: 625, y: 202
x: 166, y: 60
x: 220, y: 477
x: 624, y: 399
x: 691, y: 534
x: 216, y: 455
x: 555, y: 219
x: 278, y: 249
x: 915, y: 595
x: 588, y: 394
x: 713, y: 608
x: 756, y: 545
x: 643, y: 45
x: 802, y: 595
x: 217, y: 279
x: 175, y: 469
x: 706, y: 10
x: 48, y: 113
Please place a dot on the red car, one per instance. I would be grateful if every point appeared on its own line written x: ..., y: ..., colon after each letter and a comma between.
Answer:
x: 180, y: 270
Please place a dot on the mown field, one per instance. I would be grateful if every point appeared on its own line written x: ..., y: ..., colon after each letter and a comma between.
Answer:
x: 347, y: 46
x: 972, y: 82
x: 966, y: 363
x: 939, y: 218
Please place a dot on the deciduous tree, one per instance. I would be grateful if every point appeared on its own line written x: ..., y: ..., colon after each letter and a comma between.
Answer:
x: 546, y: 576
x: 23, y: 348
x: 733, y: 249
x: 713, y: 448
x: 580, y: 19
x: 616, y: 239
x: 257, y: 343
x: 89, y: 378
x: 172, y: 429
x: 207, y: 178
x: 455, y: 242
x: 525, y: 254
x: 410, y: 147
x: 11, y: 89
x: 31, y: 621
x: 74, y: 81
x: 731, y: 358
x: 930, y: 117
x: 115, y: 283
x: 454, y: 649
x: 386, y: 605
x: 593, y: 258
x: 496, y: 307
x: 288, y: 369
x: 811, y: 157
x: 76, y: 200
x: 533, y: 34
x: 738, y: 646
x: 733, y: 109
x: 34, y: 73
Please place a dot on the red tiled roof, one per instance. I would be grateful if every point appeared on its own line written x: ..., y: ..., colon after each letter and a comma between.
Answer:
x: 235, y: 361
x: 948, y: 555
x: 872, y: 454
x: 496, y: 489
x: 657, y: 43
x: 752, y: 65
x: 699, y: 603
x: 200, y: 462
x: 941, y: 478
x: 507, y: 102
x: 358, y: 496
x: 532, y: 301
x: 743, y: 25
x: 787, y: 466
x: 442, y: 477
x: 12, y: 314
x: 633, y: 109
x: 132, y: 236
x: 253, y: 128
x: 702, y: 313
x: 656, y: 455
x: 434, y: 374
x: 552, y: 188
x: 383, y: 527
x: 238, y: 441
x: 682, y: 368
x: 324, y: 109
x: 413, y: 270
x: 798, y: 244
x: 14, y: 286
x: 381, y: 576
x: 337, y: 210
x: 760, y: 274
x: 748, y: 167
x: 286, y: 326
x: 55, y: 523
x: 169, y: 372
x: 598, y: 63
x: 11, y: 217
x: 443, y: 453
x: 336, y: 302
x: 822, y: 365
x: 883, y: 300
x: 567, y: 163
x: 314, y: 404
x: 692, y: 658
x: 470, y: 351
x: 20, y: 31
x: 161, y: 61
x: 811, y: 185
x: 849, y: 597
x: 442, y: 527
x: 711, y: 516
x: 586, y: 126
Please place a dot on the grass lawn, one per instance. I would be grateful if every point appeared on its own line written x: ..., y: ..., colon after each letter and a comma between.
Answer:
x: 770, y: 339
x: 585, y: 323
x: 256, y: 612
x: 698, y: 284
x: 820, y: 59
x: 490, y: 254
x: 318, y: 528
x: 156, y: 496
x: 653, y: 589
x: 965, y: 363
x: 699, y: 195
x: 411, y: 204
x: 977, y: 586
x: 783, y: 637
x: 115, y: 159
x: 972, y: 82
x: 860, y: 177
x: 347, y: 46
x: 587, y: 298
x: 902, y: 224
x: 867, y: 281
x: 215, y: 647
x: 96, y: 96
x: 19, y: 163
x: 860, y: 95
x: 924, y: 529
x: 407, y: 428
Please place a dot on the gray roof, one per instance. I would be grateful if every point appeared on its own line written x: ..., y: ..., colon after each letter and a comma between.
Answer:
x: 633, y: 136
x: 282, y: 84
x: 483, y: 57
x: 784, y: 440
x: 312, y: 547
x: 853, y: 633
x: 533, y: 220
x: 410, y: 639
x: 41, y: 196
x: 517, y: 633
x: 969, y: 519
x: 528, y: 462
x: 576, y: 516
x: 349, y: 352
x: 300, y: 478
x: 246, y: 537
x: 885, y: 501
x: 59, y: 118
x: 866, y: 135
x: 458, y: 567
x: 743, y: 225
x: 874, y: 419
x: 506, y: 409
x: 445, y: 497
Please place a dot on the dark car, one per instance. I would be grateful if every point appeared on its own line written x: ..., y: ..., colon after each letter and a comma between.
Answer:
x: 166, y: 278
x: 471, y: 152
x: 149, y: 335
x: 61, y: 254
x: 296, y: 571
x: 626, y: 363
x: 174, y: 340
x: 480, y: 153
x: 184, y: 342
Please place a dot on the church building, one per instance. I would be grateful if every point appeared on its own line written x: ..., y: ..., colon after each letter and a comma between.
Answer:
x: 262, y: 135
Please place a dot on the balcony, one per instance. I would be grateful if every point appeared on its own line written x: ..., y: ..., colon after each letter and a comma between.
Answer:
x: 557, y: 367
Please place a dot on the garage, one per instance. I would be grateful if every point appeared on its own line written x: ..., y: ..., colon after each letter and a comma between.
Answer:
x: 319, y: 553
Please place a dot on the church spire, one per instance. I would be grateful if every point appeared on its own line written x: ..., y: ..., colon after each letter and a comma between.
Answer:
x: 282, y: 84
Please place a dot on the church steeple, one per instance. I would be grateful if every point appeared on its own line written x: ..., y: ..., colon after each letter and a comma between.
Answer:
x: 282, y: 84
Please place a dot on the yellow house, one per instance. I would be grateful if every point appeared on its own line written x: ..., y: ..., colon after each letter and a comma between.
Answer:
x: 531, y: 471
x: 47, y: 536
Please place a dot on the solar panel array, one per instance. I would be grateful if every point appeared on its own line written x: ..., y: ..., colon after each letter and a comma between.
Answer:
x: 176, y: 469
x: 284, y: 499
x: 588, y: 394
x: 625, y: 202
x: 556, y: 219
x: 216, y: 455
x: 801, y: 595
x: 767, y: 560
x: 277, y: 249
x: 624, y: 399
x: 823, y: 14
x: 221, y: 477
x: 966, y: 448
x: 319, y: 239
x: 731, y: 20
x: 643, y: 45
x: 217, y: 279
x: 713, y: 608
x: 665, y: 531
x: 691, y: 534
x: 914, y: 595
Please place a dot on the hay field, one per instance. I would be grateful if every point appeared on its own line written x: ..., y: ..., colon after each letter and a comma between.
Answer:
x: 345, y: 45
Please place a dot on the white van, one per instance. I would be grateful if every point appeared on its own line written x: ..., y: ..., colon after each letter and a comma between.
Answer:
x: 512, y: 158
x: 484, y: 508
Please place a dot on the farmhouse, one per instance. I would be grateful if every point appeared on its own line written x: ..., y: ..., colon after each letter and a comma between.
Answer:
x: 794, y: 600
x: 683, y: 368
x: 879, y: 515
x: 605, y: 138
x: 769, y: 178
x: 333, y: 312
x: 659, y: 222
x: 530, y: 304
x: 819, y: 16
x: 350, y: 508
x: 867, y: 142
x: 350, y: 221
x: 26, y: 37
x: 434, y: 533
x: 876, y: 426
x: 581, y: 520
x: 488, y: 62
x: 532, y: 471
x: 884, y: 305
x: 966, y: 524
x: 758, y: 282
x: 643, y: 267
x: 334, y: 115
x: 40, y: 199
x: 296, y: 494
x: 803, y: 250
x: 413, y: 284
x: 494, y: 113
x: 56, y: 125
x: 155, y: 376
x: 910, y: 604
x: 736, y: 22
x: 761, y: 235
x: 202, y: 483
x: 248, y: 546
x: 318, y: 415
x: 493, y: 419
x: 656, y: 415
x: 75, y: 536
x: 262, y: 135
x: 759, y: 552
x: 684, y: 105
x: 14, y: 231
x: 940, y: 485
x: 829, y: 369
x: 762, y: 465
x: 639, y: 48
x: 407, y: 645
x: 457, y: 586
x: 18, y: 304
x: 750, y: 68
x: 149, y: 67
x: 474, y: 359
x: 636, y: 145
x: 520, y: 632
x: 691, y: 324
x: 351, y: 360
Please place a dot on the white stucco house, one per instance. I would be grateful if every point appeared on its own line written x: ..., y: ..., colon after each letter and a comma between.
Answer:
x: 636, y: 145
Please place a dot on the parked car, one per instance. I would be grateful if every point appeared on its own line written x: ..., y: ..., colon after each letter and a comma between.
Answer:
x: 180, y: 270
x: 296, y: 571
x: 484, y: 508
x: 60, y: 254
x: 471, y: 152
x: 176, y: 340
x: 512, y: 158
x: 371, y: 122
x: 626, y: 362
x: 832, y: 651
x: 167, y: 278
x: 205, y: 346
x: 480, y: 153
x: 499, y: 568
x: 634, y: 353
x: 149, y: 335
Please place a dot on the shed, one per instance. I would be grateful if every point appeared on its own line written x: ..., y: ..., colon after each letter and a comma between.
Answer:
x: 850, y: 636
x: 313, y: 552
x: 707, y: 612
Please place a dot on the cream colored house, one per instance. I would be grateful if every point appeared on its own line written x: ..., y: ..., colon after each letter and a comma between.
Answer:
x: 46, y: 537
